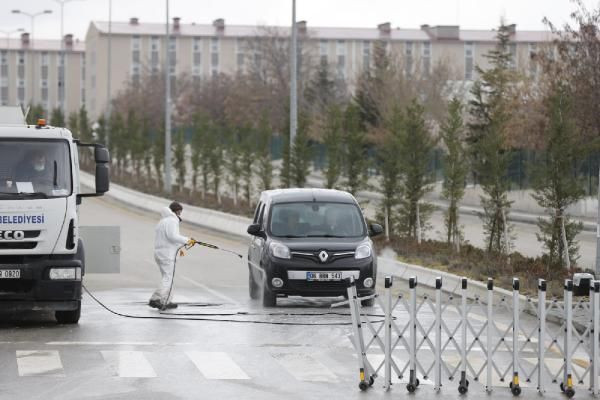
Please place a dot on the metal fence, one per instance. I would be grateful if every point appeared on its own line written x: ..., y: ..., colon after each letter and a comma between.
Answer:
x: 451, y: 339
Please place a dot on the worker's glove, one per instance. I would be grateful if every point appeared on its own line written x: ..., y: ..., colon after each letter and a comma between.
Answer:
x: 190, y: 243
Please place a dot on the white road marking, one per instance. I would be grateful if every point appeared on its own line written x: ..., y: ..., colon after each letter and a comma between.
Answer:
x: 305, y: 368
x: 39, y: 362
x: 216, y: 365
x: 129, y: 364
x: 211, y: 291
x: 101, y: 343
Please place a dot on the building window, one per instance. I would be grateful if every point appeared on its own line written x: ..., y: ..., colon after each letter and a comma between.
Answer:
x: 21, y: 65
x: 21, y: 91
x: 469, y: 51
x: 366, y: 54
x: 240, y: 54
x: 21, y: 77
x: 82, y: 79
x: 323, y: 50
x: 172, y: 56
x: 426, y: 57
x: 154, y: 54
x: 408, y: 57
x: 197, y: 58
x: 340, y: 50
x: 135, y: 59
x: 61, y: 80
x: 214, y: 56
x: 512, y: 48
x: 4, y: 77
x: 533, y: 67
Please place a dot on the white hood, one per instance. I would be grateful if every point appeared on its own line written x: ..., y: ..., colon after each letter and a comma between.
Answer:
x: 166, y: 212
x: 167, y: 238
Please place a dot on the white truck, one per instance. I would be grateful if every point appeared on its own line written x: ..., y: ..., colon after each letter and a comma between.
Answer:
x: 42, y: 258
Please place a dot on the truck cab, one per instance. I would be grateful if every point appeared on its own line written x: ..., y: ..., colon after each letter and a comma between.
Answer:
x: 42, y: 258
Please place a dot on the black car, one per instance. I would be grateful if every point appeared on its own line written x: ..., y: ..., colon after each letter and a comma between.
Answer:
x: 307, y: 242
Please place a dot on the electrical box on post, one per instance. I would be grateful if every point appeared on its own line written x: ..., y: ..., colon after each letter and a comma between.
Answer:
x: 102, y: 249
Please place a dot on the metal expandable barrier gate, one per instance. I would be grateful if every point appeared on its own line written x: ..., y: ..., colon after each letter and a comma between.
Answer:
x: 454, y: 337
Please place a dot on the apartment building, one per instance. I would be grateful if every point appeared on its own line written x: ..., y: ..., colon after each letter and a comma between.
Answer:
x: 47, y: 72
x: 202, y: 50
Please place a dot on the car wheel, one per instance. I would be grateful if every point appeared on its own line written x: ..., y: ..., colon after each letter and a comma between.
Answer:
x: 269, y: 298
x: 69, y: 317
x: 253, y: 287
x: 368, y: 303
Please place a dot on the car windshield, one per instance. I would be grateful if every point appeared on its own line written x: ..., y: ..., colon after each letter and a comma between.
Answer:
x: 34, y: 169
x: 316, y: 219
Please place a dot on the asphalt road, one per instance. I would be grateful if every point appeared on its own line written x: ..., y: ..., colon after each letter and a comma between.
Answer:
x: 236, y: 349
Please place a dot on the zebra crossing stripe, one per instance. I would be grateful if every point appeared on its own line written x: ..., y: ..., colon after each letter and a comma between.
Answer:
x: 305, y: 368
x: 129, y: 364
x: 39, y: 363
x: 216, y: 365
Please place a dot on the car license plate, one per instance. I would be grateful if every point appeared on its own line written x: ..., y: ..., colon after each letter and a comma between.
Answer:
x: 323, y: 276
x: 10, y: 273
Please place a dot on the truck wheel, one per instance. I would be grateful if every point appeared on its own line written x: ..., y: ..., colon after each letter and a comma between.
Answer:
x: 69, y: 317
x: 269, y: 298
x: 253, y: 287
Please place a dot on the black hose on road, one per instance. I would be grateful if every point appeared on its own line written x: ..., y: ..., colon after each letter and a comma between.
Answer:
x: 209, y: 317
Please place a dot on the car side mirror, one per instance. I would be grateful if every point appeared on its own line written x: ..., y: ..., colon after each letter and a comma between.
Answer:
x: 376, y: 229
x: 255, y: 230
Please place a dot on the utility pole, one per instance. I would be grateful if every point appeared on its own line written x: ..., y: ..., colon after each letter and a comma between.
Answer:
x: 598, y: 231
x: 62, y: 90
x: 32, y: 16
x: 167, y: 110
x: 109, y: 68
x: 293, y: 81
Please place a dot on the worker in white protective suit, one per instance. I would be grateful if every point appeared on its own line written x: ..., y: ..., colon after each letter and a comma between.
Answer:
x: 167, y: 241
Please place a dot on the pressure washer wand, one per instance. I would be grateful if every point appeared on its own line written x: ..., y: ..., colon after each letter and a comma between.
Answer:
x: 212, y: 246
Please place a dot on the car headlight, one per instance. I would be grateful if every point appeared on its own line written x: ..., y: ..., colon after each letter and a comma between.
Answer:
x: 362, y: 251
x: 69, y: 274
x: 280, y: 250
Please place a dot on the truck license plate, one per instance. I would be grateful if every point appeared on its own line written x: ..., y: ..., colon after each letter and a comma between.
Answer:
x: 10, y: 273
x: 323, y: 276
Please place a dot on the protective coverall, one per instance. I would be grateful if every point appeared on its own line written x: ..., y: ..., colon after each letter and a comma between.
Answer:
x: 166, y: 242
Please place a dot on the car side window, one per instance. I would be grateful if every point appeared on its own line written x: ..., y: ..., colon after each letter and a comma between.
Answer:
x: 257, y: 212
x: 261, y: 219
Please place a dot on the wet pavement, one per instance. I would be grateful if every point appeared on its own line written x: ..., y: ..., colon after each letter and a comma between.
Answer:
x: 220, y: 344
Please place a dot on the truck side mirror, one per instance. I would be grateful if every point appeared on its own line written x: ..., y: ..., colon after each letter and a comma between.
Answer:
x: 102, y: 178
x: 101, y: 155
x: 102, y: 159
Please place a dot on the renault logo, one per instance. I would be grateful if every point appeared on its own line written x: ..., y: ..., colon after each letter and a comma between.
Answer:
x: 323, y: 256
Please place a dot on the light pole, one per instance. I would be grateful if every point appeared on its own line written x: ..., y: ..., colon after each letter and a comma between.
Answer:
x: 167, y: 110
x: 32, y: 16
x: 293, y: 81
x: 8, y: 33
x: 62, y: 89
x: 109, y: 75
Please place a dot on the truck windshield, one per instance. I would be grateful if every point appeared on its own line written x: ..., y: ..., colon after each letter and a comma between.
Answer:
x: 34, y: 169
x: 316, y: 219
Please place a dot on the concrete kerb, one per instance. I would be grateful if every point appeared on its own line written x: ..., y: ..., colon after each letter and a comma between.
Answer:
x: 202, y: 217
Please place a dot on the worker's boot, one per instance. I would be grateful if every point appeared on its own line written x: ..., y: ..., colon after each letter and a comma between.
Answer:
x: 154, y: 303
x: 168, y: 306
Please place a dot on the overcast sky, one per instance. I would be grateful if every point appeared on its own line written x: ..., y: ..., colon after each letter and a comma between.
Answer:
x: 469, y: 14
